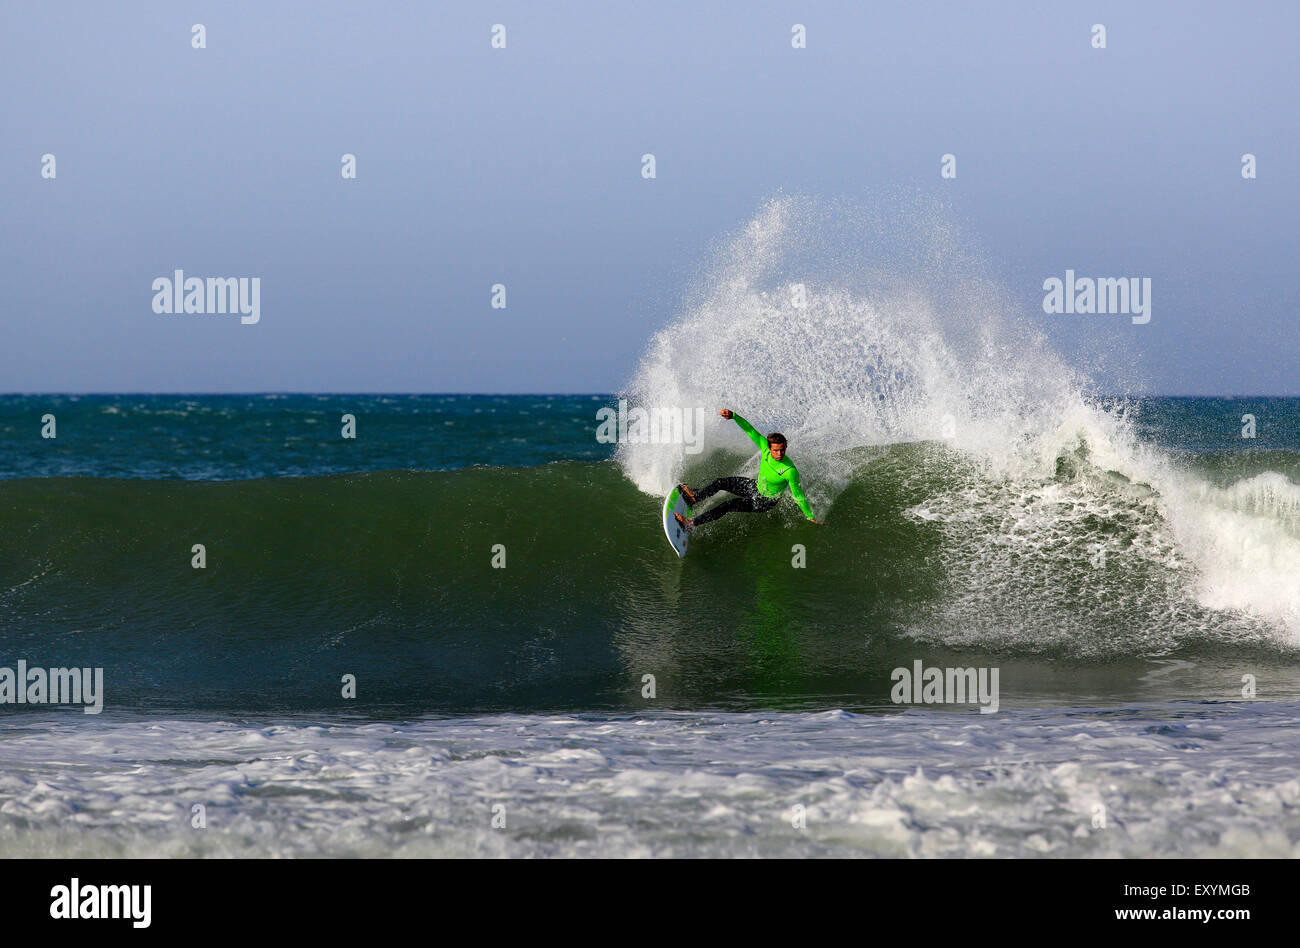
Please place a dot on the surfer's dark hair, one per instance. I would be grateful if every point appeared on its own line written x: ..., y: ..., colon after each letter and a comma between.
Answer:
x: 776, y: 438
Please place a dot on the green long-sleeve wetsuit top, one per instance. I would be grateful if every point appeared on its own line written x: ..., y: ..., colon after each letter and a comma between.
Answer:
x: 774, y: 476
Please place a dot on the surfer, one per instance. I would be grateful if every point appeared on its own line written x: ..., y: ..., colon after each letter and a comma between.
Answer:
x: 776, y: 472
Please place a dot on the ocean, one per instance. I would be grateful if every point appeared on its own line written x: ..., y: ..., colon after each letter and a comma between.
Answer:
x: 1043, y: 616
x: 535, y: 673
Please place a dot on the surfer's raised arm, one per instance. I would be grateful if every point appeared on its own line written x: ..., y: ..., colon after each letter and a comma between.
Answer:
x: 745, y: 426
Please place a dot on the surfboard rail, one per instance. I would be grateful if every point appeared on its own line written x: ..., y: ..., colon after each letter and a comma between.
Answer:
x: 677, y: 537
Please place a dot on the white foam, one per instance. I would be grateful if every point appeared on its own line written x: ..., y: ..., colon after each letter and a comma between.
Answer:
x: 880, y: 353
x: 1245, y: 541
x: 1018, y: 783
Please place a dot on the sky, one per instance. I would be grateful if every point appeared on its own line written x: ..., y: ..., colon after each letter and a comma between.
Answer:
x: 522, y: 166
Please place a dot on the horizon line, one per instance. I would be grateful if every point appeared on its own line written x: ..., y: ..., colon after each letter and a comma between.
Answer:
x: 265, y: 392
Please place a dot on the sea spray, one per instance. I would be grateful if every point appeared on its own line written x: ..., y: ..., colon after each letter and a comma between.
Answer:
x: 844, y: 327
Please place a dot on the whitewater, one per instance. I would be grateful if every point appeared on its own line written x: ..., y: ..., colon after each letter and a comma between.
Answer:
x: 1181, y: 779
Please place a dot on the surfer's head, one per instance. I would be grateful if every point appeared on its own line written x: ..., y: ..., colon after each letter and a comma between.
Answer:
x: 776, y: 444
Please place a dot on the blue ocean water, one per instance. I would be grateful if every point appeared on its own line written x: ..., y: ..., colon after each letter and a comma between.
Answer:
x: 227, y: 437
x: 1129, y: 586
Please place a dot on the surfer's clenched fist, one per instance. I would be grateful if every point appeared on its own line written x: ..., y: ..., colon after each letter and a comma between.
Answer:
x: 725, y: 413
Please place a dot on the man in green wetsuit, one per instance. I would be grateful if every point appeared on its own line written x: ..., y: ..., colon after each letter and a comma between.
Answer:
x: 775, y: 473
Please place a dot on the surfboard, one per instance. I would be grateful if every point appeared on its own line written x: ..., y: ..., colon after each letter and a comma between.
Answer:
x: 675, y: 503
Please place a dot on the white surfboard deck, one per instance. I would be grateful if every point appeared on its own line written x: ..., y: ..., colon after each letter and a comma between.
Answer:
x: 677, y: 536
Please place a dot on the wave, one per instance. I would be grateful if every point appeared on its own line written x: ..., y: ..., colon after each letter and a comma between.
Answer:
x: 566, y: 560
x: 851, y: 327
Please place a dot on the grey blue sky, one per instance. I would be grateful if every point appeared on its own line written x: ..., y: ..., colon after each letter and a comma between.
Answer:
x: 522, y: 166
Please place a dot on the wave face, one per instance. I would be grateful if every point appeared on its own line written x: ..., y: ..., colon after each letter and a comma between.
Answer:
x: 390, y: 577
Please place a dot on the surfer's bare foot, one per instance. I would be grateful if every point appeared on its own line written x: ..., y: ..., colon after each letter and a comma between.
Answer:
x: 687, y: 493
x: 687, y: 525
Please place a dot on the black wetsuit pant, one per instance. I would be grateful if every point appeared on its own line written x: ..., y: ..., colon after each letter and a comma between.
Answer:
x: 747, y: 499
